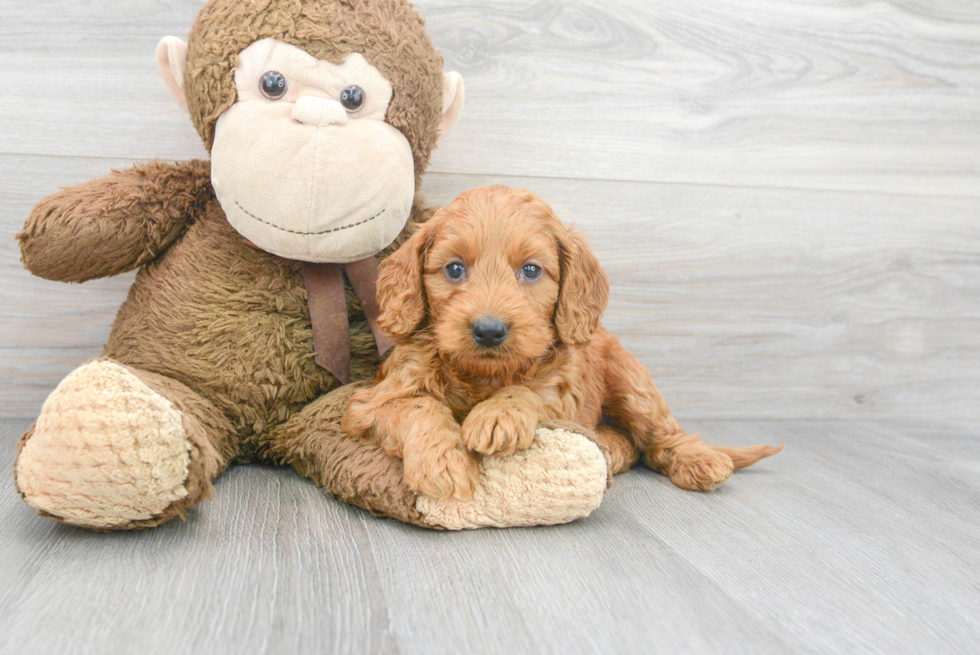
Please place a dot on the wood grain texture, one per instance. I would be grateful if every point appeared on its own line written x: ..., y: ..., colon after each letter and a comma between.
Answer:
x: 742, y: 302
x: 861, y: 537
x: 832, y: 94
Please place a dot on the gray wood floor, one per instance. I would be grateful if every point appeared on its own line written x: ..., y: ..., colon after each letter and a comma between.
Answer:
x: 861, y: 537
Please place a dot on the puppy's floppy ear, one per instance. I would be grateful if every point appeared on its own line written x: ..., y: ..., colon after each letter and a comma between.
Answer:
x: 401, y: 294
x: 584, y: 290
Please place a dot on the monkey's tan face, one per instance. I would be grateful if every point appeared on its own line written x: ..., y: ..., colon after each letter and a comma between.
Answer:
x: 304, y: 164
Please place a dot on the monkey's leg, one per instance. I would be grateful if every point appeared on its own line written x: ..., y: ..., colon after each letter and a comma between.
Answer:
x: 116, y: 448
x: 634, y: 403
x: 560, y: 478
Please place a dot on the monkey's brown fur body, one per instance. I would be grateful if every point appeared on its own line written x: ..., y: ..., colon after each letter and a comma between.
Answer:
x: 218, y: 328
x: 211, y: 358
x: 442, y: 396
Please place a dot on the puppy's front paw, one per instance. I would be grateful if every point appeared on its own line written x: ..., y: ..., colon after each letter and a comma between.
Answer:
x: 441, y: 473
x: 499, y: 426
x: 699, y: 469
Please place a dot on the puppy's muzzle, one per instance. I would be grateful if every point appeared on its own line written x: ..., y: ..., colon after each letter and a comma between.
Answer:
x: 489, y: 331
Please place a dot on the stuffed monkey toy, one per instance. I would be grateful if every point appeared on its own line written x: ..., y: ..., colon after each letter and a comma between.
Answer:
x: 254, y: 303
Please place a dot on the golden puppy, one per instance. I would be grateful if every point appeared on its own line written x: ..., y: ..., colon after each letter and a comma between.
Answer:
x: 495, y: 309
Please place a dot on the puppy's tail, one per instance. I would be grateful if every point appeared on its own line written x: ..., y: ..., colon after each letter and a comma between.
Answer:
x: 749, y: 455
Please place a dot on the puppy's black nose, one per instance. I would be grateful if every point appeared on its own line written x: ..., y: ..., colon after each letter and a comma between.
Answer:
x: 489, y: 332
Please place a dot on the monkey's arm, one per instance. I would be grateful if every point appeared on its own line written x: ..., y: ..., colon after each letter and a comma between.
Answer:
x: 113, y: 224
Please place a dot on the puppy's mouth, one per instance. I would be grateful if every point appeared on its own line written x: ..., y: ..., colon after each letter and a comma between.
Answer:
x: 499, y: 361
x: 466, y: 355
x: 478, y: 358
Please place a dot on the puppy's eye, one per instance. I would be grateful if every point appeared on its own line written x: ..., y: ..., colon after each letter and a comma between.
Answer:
x: 455, y: 271
x: 531, y: 272
x: 273, y: 85
x: 352, y: 98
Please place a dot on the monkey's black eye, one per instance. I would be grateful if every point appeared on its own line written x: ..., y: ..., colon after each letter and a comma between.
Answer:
x: 352, y: 98
x: 273, y: 85
x: 455, y: 271
x: 531, y: 272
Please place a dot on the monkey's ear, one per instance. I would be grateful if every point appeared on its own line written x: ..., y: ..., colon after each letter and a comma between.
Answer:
x: 452, y: 101
x: 171, y: 62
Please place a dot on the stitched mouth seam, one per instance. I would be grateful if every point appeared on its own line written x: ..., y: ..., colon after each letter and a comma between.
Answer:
x: 333, y: 229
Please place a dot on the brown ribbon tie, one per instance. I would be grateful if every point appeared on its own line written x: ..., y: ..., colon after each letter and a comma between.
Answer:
x: 328, y: 311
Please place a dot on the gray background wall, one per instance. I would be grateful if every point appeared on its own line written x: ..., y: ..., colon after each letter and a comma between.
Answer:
x: 786, y: 195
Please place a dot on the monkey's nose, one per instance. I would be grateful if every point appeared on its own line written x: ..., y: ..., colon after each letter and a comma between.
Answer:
x: 311, y: 110
x: 489, y: 331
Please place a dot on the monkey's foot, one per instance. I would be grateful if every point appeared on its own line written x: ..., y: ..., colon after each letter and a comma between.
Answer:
x: 560, y: 478
x: 107, y: 451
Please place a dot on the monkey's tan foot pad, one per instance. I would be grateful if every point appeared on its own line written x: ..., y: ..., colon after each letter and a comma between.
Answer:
x: 560, y: 478
x: 106, y: 450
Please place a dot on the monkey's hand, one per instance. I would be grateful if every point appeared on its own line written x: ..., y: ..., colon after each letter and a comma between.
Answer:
x: 113, y: 224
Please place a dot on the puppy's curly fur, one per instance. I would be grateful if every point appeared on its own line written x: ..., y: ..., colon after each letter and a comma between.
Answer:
x: 441, y: 397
